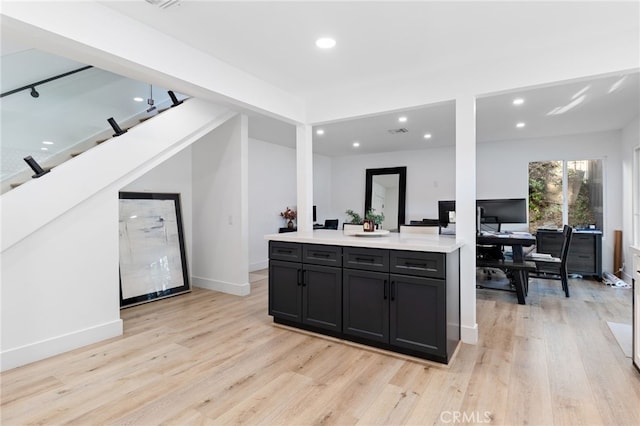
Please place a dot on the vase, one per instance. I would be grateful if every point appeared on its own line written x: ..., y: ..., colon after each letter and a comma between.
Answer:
x: 368, y: 225
x: 290, y: 224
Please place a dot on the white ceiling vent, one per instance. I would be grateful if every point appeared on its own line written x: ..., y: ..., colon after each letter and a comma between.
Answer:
x: 163, y: 4
x: 396, y: 131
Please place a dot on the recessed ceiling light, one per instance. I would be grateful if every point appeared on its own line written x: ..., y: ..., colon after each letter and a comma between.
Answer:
x: 47, y: 142
x: 133, y: 217
x: 138, y: 99
x: 520, y: 125
x: 518, y: 101
x: 44, y: 149
x: 356, y: 144
x: 402, y: 119
x: 427, y: 135
x: 320, y: 132
x: 325, y: 43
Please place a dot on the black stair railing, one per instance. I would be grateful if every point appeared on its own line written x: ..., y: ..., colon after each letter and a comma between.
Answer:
x: 32, y: 86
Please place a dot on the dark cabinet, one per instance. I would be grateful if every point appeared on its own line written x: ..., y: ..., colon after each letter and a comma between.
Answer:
x: 417, y: 315
x: 365, y: 303
x: 285, y: 295
x: 585, y: 252
x: 321, y: 297
x: 404, y: 301
x: 404, y: 307
x: 305, y: 293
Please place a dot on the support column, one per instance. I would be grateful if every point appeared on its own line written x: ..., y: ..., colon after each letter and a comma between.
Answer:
x: 304, y: 172
x: 466, y: 212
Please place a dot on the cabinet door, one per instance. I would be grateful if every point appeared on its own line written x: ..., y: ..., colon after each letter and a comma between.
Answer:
x: 583, y: 254
x: 417, y: 316
x: 285, y: 294
x: 322, y: 297
x: 365, y: 304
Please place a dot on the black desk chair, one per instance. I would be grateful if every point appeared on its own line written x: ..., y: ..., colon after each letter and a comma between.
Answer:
x: 331, y: 224
x: 555, y: 268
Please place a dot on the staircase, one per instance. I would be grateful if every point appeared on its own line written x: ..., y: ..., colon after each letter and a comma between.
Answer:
x: 111, y: 164
x: 74, y: 151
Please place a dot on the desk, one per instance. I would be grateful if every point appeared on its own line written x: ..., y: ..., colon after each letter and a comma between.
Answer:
x: 518, y: 266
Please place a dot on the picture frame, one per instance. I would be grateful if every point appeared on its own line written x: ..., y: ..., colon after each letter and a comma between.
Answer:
x: 153, y: 262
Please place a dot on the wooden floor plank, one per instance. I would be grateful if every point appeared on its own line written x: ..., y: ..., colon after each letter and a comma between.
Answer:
x: 205, y: 358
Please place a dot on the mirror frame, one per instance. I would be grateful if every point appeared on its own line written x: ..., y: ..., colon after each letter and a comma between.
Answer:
x: 402, y: 172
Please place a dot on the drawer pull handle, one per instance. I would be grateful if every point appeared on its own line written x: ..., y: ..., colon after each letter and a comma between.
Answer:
x: 299, y: 276
x: 384, y: 290
x: 284, y: 251
x: 365, y: 259
x: 324, y: 255
x: 304, y: 278
x: 416, y: 265
x: 393, y: 291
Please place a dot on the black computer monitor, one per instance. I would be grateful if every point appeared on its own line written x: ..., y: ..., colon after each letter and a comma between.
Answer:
x: 444, y: 210
x: 507, y: 210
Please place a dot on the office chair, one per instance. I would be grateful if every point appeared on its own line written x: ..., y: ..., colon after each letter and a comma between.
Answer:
x: 555, y: 268
x: 489, y: 252
x: 331, y: 224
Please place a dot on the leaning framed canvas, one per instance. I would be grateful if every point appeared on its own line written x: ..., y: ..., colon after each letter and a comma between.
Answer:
x: 153, y: 261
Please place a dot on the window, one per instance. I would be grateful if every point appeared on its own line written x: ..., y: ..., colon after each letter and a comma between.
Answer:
x: 565, y: 192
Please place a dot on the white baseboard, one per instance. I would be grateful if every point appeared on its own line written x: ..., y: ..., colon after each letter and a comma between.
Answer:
x: 47, y: 348
x: 222, y: 286
x: 258, y: 266
x: 469, y: 334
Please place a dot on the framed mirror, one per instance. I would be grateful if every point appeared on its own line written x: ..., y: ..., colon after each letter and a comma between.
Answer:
x: 385, y: 192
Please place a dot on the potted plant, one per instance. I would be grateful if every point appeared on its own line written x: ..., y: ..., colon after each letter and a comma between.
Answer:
x: 289, y: 215
x: 355, y: 217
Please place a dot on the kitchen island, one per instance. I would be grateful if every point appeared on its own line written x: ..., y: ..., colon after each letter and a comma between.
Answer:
x: 395, y: 292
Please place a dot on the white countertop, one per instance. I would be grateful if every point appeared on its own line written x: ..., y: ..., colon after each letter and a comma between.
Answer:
x: 394, y: 241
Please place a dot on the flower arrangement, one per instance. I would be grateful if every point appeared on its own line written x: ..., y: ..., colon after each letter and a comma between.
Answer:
x: 289, y: 214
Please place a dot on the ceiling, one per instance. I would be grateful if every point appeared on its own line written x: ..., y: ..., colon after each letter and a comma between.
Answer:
x: 584, y: 106
x: 378, y: 41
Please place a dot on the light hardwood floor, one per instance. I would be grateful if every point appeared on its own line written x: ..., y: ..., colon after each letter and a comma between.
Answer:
x: 212, y: 358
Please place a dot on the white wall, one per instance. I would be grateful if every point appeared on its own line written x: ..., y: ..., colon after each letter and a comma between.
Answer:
x: 220, y: 258
x: 630, y: 141
x: 60, y: 284
x: 272, y: 188
x: 172, y: 176
x: 430, y: 177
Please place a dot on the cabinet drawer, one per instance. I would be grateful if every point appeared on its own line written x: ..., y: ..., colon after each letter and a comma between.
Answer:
x: 581, y: 264
x: 318, y: 254
x: 417, y: 263
x: 583, y: 244
x: 365, y: 258
x: 291, y: 252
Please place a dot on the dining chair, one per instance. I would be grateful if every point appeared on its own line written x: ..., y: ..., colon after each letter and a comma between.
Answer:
x: 331, y: 224
x: 554, y: 268
x: 420, y: 229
